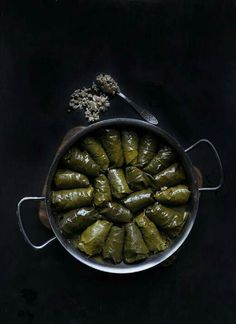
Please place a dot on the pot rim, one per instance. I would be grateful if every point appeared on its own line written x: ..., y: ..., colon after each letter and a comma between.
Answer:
x: 153, y: 260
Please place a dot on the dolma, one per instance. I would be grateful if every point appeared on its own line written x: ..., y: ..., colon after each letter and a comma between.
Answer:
x: 116, y: 213
x: 178, y: 195
x: 80, y: 161
x: 67, y: 179
x: 113, y: 246
x: 97, y: 152
x: 111, y: 141
x: 151, y: 235
x: 161, y: 160
x: 93, y: 238
x: 78, y: 220
x: 138, y: 200
x: 102, y: 192
x: 130, y: 146
x: 169, y: 177
x: 119, y: 186
x: 135, y: 248
x: 71, y: 199
x: 136, y: 178
x: 147, y: 149
x: 168, y: 219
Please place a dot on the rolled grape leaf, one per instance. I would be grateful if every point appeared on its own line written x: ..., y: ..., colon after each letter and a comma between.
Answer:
x: 78, y: 220
x: 97, y: 152
x: 102, y: 193
x: 135, y: 248
x: 71, y: 199
x: 130, y: 146
x: 119, y: 186
x: 147, y: 149
x: 113, y: 246
x: 169, y: 177
x: 93, y: 238
x: 116, y: 213
x: 80, y: 161
x: 111, y: 141
x: 136, y: 178
x: 168, y: 219
x: 161, y: 160
x: 178, y: 195
x: 151, y: 235
x: 67, y: 179
x: 138, y: 200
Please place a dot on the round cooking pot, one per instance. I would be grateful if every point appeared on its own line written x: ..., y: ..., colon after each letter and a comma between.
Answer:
x: 193, y: 204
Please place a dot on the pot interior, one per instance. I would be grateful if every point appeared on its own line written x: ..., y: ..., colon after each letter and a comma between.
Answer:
x: 141, y: 127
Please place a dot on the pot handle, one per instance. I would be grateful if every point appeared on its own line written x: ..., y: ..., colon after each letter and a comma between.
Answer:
x: 18, y: 212
x: 203, y: 140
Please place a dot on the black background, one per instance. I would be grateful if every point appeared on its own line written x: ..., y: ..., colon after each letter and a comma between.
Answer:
x: 176, y: 58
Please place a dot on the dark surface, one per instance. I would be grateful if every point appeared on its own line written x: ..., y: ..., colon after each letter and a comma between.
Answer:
x: 176, y: 58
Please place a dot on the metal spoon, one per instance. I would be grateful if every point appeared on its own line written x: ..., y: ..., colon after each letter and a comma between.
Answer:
x: 109, y: 86
x: 145, y: 114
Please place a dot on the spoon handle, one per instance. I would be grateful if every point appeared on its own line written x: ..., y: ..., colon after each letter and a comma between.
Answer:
x: 145, y: 114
